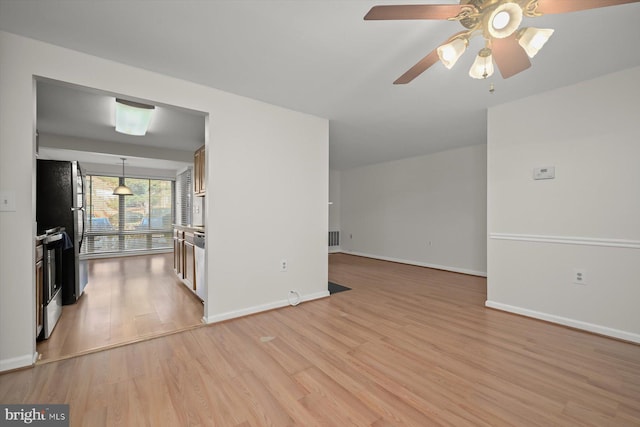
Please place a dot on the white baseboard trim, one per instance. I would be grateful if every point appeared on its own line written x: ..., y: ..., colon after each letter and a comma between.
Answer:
x: 577, y: 324
x: 260, y: 308
x: 334, y: 249
x: 17, y: 362
x: 420, y: 264
x: 567, y: 240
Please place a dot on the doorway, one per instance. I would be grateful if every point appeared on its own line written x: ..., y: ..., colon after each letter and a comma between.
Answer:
x: 133, y: 297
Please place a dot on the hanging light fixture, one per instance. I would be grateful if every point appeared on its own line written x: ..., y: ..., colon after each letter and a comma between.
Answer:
x: 132, y: 118
x: 496, y: 21
x: 122, y: 190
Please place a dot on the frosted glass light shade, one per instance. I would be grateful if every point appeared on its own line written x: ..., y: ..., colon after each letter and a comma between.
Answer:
x: 122, y: 190
x: 532, y: 39
x: 504, y: 20
x: 483, y: 65
x: 132, y: 118
x: 450, y: 53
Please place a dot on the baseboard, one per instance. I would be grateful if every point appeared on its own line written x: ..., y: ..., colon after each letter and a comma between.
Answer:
x: 16, y: 362
x: 334, y: 249
x: 420, y: 264
x: 572, y: 323
x: 263, y: 307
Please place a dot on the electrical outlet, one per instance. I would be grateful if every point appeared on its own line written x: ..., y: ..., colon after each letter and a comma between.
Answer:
x: 283, y: 265
x: 579, y: 276
x: 7, y: 201
x: 544, y: 173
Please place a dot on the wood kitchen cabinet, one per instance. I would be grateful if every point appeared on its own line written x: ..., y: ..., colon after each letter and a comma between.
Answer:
x: 39, y: 291
x: 178, y: 250
x: 184, y: 256
x: 189, y: 275
x: 199, y: 182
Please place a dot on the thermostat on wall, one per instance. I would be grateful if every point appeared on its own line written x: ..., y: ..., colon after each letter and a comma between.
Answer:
x: 547, y: 172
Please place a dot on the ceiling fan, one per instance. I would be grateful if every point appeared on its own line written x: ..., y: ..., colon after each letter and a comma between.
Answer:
x: 497, y: 21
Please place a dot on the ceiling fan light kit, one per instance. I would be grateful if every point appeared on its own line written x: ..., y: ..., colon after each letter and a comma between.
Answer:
x: 503, y: 21
x: 532, y: 39
x: 450, y: 53
x: 483, y: 65
x: 497, y: 21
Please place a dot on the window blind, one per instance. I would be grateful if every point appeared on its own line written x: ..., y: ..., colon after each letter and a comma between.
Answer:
x: 184, y: 193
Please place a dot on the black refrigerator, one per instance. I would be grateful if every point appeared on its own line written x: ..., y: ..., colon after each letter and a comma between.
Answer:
x: 60, y: 202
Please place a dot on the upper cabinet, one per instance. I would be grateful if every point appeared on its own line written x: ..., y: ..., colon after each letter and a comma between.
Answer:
x: 199, y: 182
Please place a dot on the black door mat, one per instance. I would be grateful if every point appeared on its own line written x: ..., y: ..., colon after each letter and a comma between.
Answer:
x: 334, y: 288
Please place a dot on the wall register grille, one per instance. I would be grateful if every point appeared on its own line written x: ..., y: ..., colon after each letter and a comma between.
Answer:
x: 334, y: 238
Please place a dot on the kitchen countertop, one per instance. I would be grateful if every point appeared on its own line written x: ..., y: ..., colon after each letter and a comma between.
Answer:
x: 189, y: 227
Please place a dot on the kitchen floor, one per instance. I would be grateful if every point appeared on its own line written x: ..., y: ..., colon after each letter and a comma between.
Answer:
x: 127, y: 299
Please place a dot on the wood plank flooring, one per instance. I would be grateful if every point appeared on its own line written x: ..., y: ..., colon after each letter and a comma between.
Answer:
x: 127, y: 299
x: 406, y: 346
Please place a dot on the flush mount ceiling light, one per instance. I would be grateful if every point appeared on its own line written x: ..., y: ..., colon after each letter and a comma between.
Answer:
x: 497, y: 21
x: 122, y: 190
x: 132, y: 118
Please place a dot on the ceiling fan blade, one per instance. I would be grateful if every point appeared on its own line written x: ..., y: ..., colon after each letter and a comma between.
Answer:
x: 423, y: 64
x: 548, y: 7
x: 418, y: 69
x: 509, y: 56
x: 414, y: 11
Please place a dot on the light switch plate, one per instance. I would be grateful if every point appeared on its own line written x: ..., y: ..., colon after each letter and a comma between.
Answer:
x: 547, y: 172
x: 7, y: 201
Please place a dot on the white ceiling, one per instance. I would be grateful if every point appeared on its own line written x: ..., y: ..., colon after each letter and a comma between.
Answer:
x: 322, y: 58
x: 91, y: 114
x: 65, y: 109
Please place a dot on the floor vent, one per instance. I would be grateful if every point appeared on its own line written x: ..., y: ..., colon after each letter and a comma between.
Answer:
x: 334, y: 238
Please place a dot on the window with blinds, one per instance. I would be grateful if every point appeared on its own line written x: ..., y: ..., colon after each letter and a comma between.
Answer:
x: 117, y: 224
x: 184, y: 192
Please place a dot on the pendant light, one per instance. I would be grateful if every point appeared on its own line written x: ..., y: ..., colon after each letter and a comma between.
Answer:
x: 122, y: 190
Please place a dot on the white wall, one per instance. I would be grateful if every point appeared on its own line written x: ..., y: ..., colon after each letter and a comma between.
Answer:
x: 130, y: 172
x: 267, y: 176
x: 335, y: 206
x: 588, y: 217
x: 427, y: 210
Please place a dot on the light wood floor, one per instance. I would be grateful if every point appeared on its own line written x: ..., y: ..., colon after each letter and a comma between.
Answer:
x: 406, y: 346
x: 127, y: 299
